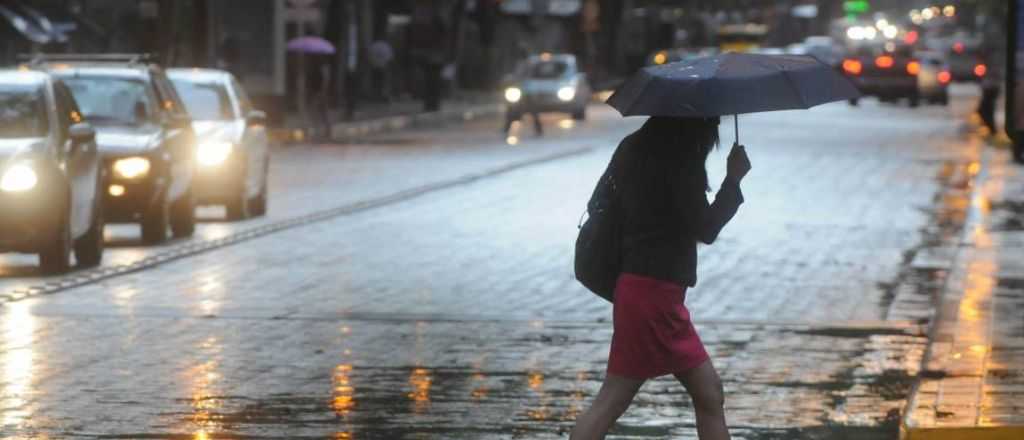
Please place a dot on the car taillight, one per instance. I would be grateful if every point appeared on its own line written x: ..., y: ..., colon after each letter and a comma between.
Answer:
x: 852, y: 67
x: 884, y: 61
x: 913, y: 67
x: 980, y: 70
x: 911, y: 37
x: 958, y: 47
x: 945, y: 77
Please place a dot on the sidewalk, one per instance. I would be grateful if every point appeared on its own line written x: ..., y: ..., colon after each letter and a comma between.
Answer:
x: 379, y: 117
x: 972, y: 382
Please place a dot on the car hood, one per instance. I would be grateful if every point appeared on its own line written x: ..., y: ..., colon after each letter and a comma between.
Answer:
x: 126, y: 140
x: 229, y: 131
x: 11, y: 147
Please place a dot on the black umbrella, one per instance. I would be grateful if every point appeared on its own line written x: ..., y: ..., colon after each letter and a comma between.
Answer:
x: 731, y: 84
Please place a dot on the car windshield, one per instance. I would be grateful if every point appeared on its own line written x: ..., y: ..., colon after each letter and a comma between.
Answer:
x: 113, y: 100
x: 205, y: 101
x: 548, y: 69
x: 22, y: 111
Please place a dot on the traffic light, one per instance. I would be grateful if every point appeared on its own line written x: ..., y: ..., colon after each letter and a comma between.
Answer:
x: 854, y: 8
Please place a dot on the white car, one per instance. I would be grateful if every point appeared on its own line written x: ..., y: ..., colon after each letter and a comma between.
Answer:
x: 549, y: 83
x: 233, y: 153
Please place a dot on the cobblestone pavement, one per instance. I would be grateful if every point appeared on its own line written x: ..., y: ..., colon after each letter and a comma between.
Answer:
x: 453, y: 314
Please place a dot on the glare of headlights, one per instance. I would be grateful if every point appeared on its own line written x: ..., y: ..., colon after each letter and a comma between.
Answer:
x: 19, y: 178
x: 513, y: 94
x: 891, y: 32
x: 566, y: 93
x: 132, y: 167
x: 213, y: 153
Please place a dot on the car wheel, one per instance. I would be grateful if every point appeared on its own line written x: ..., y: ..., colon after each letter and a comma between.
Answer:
x: 915, y: 101
x: 155, y: 222
x: 238, y: 207
x: 54, y: 256
x: 1018, y: 153
x: 183, y: 215
x: 580, y: 115
x: 89, y: 248
x: 854, y: 102
x: 258, y: 204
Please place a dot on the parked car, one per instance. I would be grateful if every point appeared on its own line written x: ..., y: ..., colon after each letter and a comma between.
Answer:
x: 232, y: 152
x: 888, y: 75
x: 50, y: 173
x: 549, y: 83
x: 934, y: 78
x: 145, y: 139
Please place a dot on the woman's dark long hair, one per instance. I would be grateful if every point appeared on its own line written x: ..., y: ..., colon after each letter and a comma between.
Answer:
x: 683, y: 142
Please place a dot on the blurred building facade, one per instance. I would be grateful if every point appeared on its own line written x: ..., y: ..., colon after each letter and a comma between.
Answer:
x: 473, y: 43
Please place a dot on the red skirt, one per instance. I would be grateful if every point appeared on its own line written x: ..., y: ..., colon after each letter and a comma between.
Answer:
x: 653, y: 332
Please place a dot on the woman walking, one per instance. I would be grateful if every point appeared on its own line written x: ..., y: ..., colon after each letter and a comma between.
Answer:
x: 661, y: 184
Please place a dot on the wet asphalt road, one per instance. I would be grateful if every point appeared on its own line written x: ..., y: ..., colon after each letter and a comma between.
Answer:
x: 422, y: 304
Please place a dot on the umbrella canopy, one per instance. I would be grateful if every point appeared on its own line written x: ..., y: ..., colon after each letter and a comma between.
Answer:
x: 730, y: 84
x: 311, y: 45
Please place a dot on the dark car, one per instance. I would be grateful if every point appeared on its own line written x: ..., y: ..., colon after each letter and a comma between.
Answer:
x: 50, y: 173
x: 145, y: 138
x: 232, y: 153
x: 887, y: 75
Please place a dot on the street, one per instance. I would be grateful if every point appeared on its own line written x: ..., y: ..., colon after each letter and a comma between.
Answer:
x: 418, y: 285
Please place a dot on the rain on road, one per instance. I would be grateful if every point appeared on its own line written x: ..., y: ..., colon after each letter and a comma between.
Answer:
x: 449, y: 311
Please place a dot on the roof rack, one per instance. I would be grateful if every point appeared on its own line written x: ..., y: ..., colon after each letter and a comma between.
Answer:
x: 132, y: 58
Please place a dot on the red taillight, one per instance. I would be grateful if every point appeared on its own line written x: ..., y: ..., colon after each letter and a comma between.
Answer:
x: 913, y: 67
x: 945, y: 77
x: 911, y: 37
x: 852, y: 67
x: 958, y: 47
x: 980, y: 70
x: 884, y: 61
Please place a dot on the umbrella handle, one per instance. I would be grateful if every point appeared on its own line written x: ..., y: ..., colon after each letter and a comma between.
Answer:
x: 736, y: 125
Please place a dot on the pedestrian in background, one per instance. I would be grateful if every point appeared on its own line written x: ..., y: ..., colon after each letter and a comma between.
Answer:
x: 381, y: 56
x: 991, y: 83
x: 428, y: 34
x: 661, y: 181
x: 318, y: 74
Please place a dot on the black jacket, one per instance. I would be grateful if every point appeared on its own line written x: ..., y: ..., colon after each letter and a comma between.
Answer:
x: 665, y: 210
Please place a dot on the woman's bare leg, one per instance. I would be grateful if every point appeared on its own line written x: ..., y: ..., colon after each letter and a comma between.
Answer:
x: 616, y: 394
x: 705, y: 388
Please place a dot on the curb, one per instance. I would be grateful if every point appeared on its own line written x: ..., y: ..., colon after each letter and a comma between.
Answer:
x: 922, y: 397
x: 343, y: 131
x: 349, y: 130
x: 963, y: 433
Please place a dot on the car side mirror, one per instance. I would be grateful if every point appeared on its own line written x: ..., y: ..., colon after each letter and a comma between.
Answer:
x: 81, y: 133
x: 256, y: 117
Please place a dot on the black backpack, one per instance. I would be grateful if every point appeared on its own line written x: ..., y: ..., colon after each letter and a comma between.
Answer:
x: 599, y: 244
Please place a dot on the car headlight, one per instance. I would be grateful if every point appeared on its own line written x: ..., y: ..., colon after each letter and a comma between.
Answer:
x: 213, y: 153
x: 567, y: 93
x: 513, y: 94
x: 132, y: 167
x: 19, y: 178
